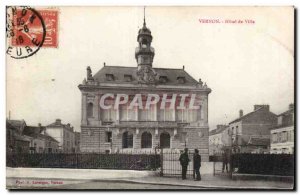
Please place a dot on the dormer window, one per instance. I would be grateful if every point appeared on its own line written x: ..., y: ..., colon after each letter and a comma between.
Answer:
x: 181, y: 80
x: 110, y: 77
x: 127, y: 77
x: 163, y: 79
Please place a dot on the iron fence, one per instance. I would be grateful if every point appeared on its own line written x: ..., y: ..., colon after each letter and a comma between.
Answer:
x: 171, y: 164
x: 266, y: 164
x: 85, y: 161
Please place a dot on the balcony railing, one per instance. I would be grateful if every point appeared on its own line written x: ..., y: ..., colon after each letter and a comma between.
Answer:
x: 151, y: 124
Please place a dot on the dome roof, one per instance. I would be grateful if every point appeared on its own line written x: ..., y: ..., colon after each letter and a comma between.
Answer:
x: 144, y: 30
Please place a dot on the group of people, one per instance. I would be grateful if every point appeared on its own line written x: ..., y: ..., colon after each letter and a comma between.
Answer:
x: 184, y: 162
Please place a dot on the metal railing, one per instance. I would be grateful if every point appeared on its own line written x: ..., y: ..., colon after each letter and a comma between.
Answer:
x: 85, y: 161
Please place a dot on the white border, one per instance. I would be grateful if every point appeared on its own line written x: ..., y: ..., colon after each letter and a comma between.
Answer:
x: 3, y: 3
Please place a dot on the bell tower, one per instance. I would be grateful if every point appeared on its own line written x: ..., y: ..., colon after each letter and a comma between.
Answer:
x: 144, y: 53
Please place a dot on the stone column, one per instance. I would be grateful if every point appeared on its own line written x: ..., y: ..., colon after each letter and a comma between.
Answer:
x: 155, y: 112
x: 83, y: 109
x: 98, y: 108
x: 118, y: 114
x: 205, y: 110
x: 137, y: 114
x: 174, y: 114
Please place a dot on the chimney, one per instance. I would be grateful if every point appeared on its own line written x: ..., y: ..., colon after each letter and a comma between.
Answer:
x: 291, y: 106
x: 241, y: 113
x: 58, y: 121
x: 266, y: 107
x: 183, y: 67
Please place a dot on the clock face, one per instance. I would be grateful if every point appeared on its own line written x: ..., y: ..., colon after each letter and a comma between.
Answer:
x: 144, y: 46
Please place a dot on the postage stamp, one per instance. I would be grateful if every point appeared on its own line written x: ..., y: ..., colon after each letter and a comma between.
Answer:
x: 50, y: 17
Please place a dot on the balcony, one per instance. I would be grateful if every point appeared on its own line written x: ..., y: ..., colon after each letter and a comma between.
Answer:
x: 150, y: 124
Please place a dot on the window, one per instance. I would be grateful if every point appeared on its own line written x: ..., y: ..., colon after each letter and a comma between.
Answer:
x: 108, y: 136
x: 146, y: 140
x: 108, y: 114
x: 284, y: 136
x: 234, y: 131
x: 127, y: 78
x: 181, y: 80
x: 147, y: 114
x: 279, y: 137
x: 181, y: 114
x: 127, y: 140
x: 90, y: 108
x: 163, y: 79
x: 166, y: 113
x: 165, y: 140
x: 274, y: 137
x: 110, y: 77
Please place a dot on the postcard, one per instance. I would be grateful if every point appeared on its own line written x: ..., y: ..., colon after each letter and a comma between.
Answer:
x: 150, y: 97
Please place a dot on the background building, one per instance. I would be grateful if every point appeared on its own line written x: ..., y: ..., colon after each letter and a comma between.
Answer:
x: 64, y: 134
x: 40, y: 142
x: 16, y: 141
x: 282, y: 136
x: 124, y: 129
x: 251, y: 132
x: 218, y: 138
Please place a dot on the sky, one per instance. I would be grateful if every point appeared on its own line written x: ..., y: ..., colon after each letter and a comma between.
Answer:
x: 244, y: 64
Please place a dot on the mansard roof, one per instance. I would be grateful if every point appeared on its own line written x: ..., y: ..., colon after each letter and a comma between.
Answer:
x: 119, y: 72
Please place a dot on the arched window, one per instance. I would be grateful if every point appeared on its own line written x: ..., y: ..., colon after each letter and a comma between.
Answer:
x: 146, y: 140
x: 127, y: 140
x: 165, y: 140
x: 90, y: 108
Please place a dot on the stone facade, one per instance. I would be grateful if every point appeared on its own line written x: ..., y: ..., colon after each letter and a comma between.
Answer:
x: 64, y: 134
x: 252, y: 131
x: 121, y: 129
x: 282, y: 136
x: 218, y: 139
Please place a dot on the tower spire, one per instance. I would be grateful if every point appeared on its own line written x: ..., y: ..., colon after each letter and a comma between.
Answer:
x: 144, y: 17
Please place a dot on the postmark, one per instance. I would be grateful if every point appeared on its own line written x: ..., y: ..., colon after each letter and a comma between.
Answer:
x: 25, y: 31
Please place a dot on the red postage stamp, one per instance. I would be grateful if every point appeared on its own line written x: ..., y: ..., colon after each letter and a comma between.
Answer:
x: 32, y: 28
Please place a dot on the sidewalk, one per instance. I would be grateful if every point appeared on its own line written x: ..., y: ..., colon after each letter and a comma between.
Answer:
x: 49, y: 178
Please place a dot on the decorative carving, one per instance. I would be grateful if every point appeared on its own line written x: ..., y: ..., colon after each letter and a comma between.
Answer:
x: 89, y: 75
x: 84, y: 82
x: 200, y: 83
x: 146, y: 75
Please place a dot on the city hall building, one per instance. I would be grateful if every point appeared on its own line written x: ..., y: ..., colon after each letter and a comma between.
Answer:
x: 141, y: 108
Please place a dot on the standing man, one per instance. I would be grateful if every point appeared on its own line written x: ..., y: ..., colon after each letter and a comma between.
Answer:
x: 225, y: 161
x: 197, y: 164
x: 184, y: 162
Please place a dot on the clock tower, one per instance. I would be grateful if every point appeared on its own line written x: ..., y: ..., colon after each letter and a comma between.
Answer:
x: 144, y: 53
